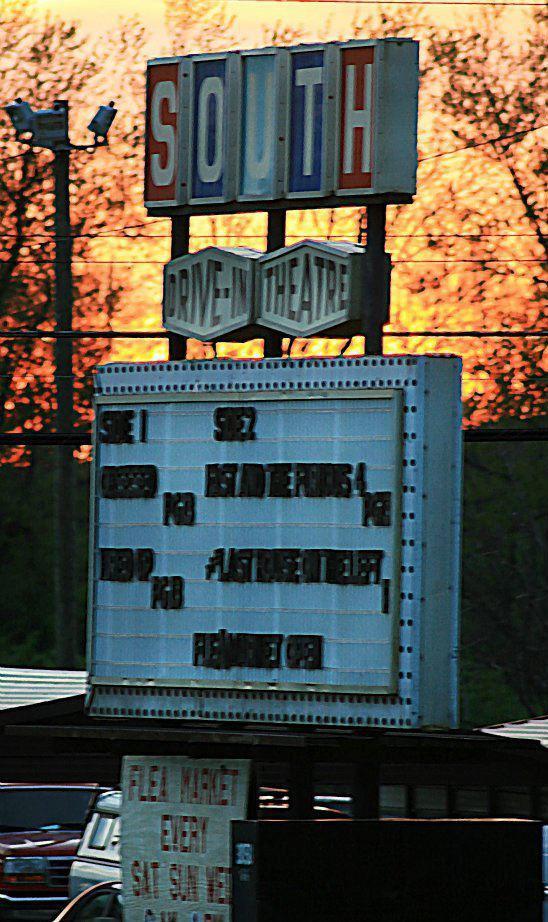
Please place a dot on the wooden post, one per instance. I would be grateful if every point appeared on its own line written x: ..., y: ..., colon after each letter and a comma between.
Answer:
x: 376, y: 281
x: 66, y: 627
x: 275, y: 239
x: 180, y: 243
x: 301, y: 789
x: 365, y: 785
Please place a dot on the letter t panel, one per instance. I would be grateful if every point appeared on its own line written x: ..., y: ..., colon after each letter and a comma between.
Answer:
x: 311, y: 106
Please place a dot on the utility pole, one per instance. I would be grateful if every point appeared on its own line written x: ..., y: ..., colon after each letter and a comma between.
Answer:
x: 66, y: 630
x: 49, y: 129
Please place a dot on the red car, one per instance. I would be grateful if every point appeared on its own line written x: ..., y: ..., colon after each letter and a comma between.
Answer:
x: 40, y: 829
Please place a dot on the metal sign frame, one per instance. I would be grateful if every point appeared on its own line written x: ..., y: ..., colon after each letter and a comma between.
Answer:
x: 426, y: 690
x: 394, y: 130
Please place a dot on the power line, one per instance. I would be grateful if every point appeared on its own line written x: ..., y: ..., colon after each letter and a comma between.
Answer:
x: 160, y: 262
x: 401, y: 2
x: 500, y: 137
x: 83, y: 436
x: 261, y: 236
x: 163, y: 334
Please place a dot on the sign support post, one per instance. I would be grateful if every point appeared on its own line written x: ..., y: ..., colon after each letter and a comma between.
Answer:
x: 180, y: 244
x: 301, y: 789
x: 365, y: 784
x: 275, y: 240
x: 375, y: 270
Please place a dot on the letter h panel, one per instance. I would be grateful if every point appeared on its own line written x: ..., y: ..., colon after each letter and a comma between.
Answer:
x: 377, y: 118
x: 213, y: 129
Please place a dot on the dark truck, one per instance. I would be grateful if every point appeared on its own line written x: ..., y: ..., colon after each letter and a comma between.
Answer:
x: 41, y: 826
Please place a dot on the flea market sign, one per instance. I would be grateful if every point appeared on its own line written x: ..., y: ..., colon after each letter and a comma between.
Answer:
x: 336, y: 122
x: 175, y: 843
x: 299, y: 290
x: 276, y: 541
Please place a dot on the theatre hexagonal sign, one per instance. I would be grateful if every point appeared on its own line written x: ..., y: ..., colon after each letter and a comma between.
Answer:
x: 309, y: 287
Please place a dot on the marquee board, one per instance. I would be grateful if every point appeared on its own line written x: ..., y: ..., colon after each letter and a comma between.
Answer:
x: 277, y: 541
x: 333, y: 122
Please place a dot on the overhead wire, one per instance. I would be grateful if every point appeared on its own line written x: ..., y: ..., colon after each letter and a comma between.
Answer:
x: 163, y: 334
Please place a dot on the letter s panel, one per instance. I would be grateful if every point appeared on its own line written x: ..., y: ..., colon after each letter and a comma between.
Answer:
x: 312, y: 82
x: 213, y: 128
x: 164, y: 133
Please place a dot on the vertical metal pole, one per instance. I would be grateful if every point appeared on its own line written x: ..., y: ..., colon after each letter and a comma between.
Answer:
x: 301, y: 788
x: 66, y: 625
x: 376, y: 280
x: 365, y: 785
x: 180, y: 244
x: 275, y: 239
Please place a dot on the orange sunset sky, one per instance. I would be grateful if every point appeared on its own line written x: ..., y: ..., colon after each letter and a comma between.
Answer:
x: 138, y: 262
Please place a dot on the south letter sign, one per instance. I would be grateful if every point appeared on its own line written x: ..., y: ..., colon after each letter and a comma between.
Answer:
x: 330, y: 121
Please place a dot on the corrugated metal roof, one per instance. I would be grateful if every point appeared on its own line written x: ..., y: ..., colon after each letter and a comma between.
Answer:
x: 30, y: 686
x: 530, y: 729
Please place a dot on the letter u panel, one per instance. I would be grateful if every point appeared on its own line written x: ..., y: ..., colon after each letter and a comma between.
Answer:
x: 263, y: 113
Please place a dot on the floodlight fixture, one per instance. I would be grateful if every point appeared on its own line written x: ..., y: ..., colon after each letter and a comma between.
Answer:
x: 101, y: 122
x: 50, y: 126
x: 21, y: 115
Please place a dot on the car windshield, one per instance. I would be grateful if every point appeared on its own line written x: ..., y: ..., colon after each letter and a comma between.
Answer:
x: 46, y: 808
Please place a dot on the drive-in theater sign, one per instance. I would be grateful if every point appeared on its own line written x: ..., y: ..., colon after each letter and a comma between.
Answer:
x: 278, y: 541
x: 333, y: 122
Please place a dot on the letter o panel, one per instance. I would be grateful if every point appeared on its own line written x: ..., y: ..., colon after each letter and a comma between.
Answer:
x: 213, y: 128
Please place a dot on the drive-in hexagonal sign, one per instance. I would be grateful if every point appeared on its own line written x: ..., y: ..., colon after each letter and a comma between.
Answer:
x: 309, y: 287
x: 210, y: 293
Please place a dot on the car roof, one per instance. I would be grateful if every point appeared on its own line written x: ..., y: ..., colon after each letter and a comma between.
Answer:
x: 83, y: 785
x: 109, y: 802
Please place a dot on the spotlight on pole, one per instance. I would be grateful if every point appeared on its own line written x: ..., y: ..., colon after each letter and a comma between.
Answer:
x: 21, y: 115
x: 101, y: 122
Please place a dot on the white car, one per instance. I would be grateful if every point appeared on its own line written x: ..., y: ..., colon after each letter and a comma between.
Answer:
x: 98, y: 857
